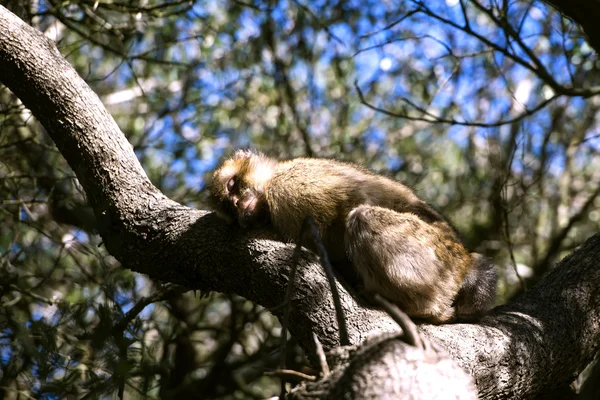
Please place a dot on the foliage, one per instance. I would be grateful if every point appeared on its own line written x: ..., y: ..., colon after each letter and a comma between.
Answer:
x: 488, y: 111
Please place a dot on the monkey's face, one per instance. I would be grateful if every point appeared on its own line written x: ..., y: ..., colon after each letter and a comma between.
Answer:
x: 241, y: 202
x: 238, y: 189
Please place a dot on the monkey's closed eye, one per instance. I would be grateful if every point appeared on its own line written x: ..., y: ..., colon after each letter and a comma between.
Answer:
x: 231, y: 184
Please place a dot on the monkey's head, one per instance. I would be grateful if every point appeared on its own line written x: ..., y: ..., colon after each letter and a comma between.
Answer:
x: 238, y: 187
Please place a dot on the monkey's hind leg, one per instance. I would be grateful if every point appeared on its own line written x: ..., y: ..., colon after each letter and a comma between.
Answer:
x: 405, y: 260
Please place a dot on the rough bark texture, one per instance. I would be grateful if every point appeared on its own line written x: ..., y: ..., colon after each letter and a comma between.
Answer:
x: 387, y: 367
x: 540, y: 341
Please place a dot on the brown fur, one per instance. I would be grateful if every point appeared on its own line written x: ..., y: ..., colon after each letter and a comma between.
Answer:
x: 399, y: 246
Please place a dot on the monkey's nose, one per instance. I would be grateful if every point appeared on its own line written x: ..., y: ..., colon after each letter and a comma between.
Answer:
x: 249, y: 206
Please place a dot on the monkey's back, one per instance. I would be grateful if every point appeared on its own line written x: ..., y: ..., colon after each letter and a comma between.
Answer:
x: 328, y: 189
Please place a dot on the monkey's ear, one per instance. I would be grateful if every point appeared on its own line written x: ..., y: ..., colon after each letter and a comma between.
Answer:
x: 246, y: 153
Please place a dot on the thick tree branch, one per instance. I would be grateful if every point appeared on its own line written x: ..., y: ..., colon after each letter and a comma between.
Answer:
x: 586, y: 13
x: 143, y: 229
x: 539, y: 341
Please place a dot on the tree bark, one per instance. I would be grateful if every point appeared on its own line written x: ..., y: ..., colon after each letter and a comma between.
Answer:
x: 541, y: 340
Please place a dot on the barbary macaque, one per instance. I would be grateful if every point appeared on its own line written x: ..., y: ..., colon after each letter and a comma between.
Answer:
x: 398, y: 245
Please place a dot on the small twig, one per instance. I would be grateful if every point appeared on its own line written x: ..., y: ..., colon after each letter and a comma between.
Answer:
x: 33, y: 295
x: 291, y: 375
x: 321, y: 357
x: 506, y: 221
x: 390, y: 25
x: 409, y: 329
x: 339, y: 312
x: 428, y: 117
x: 509, y: 244
x: 161, y: 294
x: 286, y: 310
